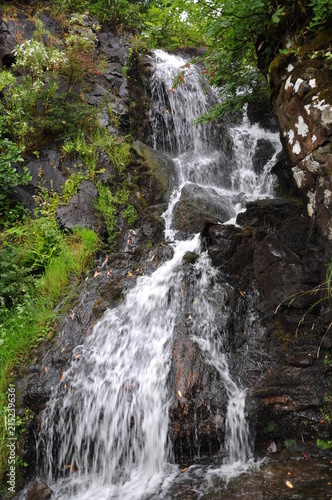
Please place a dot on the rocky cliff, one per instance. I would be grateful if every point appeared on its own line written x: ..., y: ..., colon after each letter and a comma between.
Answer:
x: 272, y: 260
x: 300, y: 81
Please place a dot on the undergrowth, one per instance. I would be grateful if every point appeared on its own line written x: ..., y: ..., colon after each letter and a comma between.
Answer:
x: 38, y: 264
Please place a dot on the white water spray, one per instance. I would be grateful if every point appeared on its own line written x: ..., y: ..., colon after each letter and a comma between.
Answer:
x: 108, y: 420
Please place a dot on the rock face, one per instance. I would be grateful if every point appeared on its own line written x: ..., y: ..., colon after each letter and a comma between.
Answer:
x: 198, y: 204
x: 161, y: 170
x: 81, y: 212
x: 279, y: 254
x: 301, y: 91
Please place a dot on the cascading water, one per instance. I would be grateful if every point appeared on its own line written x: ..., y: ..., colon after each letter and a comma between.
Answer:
x: 107, y: 422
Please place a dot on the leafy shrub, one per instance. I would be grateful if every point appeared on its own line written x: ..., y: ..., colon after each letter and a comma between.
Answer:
x: 10, y: 176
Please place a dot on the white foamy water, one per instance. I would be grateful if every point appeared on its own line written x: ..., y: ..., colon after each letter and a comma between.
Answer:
x: 107, y: 430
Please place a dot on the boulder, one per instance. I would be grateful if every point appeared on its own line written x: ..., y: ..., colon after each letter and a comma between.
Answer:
x: 264, y: 151
x: 80, y: 212
x: 161, y: 173
x: 198, y: 204
x: 38, y: 490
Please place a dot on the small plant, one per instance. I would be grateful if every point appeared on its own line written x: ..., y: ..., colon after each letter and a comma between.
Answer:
x: 323, y: 444
x: 289, y: 442
x: 270, y: 427
x: 130, y: 214
x: 322, y: 10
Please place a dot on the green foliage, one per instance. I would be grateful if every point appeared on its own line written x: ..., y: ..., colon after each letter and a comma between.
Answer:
x: 289, y: 442
x: 90, y: 149
x: 324, y: 445
x: 130, y: 214
x: 110, y: 205
x: 10, y: 176
x: 36, y: 105
x: 37, y: 264
x: 322, y: 12
x: 270, y: 427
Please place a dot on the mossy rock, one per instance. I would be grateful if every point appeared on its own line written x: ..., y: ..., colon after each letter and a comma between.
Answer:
x: 161, y: 170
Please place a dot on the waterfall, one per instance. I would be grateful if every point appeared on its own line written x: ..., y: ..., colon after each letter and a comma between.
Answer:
x: 107, y: 421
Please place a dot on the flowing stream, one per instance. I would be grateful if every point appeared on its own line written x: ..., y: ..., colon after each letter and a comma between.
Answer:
x: 107, y: 422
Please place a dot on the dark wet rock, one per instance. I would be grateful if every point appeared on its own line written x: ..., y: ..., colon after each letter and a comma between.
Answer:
x: 224, y: 242
x: 139, y: 74
x: 190, y: 257
x: 198, y: 204
x: 286, y: 403
x: 263, y: 153
x: 279, y: 253
x: 80, y: 211
x: 199, y: 403
x: 47, y: 172
x: 276, y: 264
x: 283, y: 170
x: 14, y: 31
x: 161, y: 173
x: 299, y: 475
x: 301, y: 359
x: 263, y: 114
x: 38, y: 490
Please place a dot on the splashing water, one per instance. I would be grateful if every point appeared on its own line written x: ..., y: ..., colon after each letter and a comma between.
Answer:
x: 109, y: 426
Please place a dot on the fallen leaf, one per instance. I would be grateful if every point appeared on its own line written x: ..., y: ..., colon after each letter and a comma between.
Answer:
x: 45, y: 369
x: 195, y: 302
x: 241, y: 293
x: 67, y: 466
x: 133, y: 232
x: 62, y: 378
x: 62, y: 349
x: 109, y: 272
x: 96, y: 274
x: 184, y: 470
x: 289, y: 484
x: 130, y: 275
x: 162, y: 244
x: 77, y: 356
x: 153, y: 256
x: 65, y: 386
x: 179, y: 393
x: 128, y: 241
x: 289, y: 473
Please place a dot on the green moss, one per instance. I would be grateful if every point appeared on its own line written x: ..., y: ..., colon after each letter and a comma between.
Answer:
x: 289, y: 442
x: 321, y: 42
x: 284, y: 336
x: 324, y: 445
x: 270, y: 427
